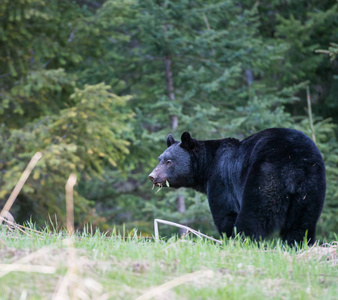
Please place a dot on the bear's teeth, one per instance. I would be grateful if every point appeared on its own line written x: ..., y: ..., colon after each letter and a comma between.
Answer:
x: 159, y: 187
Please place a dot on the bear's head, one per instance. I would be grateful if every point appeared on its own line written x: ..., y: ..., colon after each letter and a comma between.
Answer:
x: 175, y: 163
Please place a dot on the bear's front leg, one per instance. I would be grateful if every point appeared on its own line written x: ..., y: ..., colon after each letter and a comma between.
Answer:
x: 248, y: 224
x: 223, y: 210
x: 225, y: 223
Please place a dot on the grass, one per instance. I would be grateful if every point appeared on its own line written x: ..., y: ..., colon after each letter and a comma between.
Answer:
x: 53, y: 265
x: 60, y: 265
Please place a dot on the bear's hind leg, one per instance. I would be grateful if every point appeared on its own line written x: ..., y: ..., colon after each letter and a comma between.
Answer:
x: 249, y: 225
x: 302, y: 216
x: 300, y: 222
x: 293, y: 236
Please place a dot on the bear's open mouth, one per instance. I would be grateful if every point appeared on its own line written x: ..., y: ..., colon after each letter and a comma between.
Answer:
x: 160, y: 185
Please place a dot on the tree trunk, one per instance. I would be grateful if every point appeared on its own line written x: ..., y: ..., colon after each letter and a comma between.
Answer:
x: 249, y: 77
x: 180, y: 204
x: 180, y: 201
x: 170, y: 88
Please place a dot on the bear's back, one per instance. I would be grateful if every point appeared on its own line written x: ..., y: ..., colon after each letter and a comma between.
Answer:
x: 281, y: 145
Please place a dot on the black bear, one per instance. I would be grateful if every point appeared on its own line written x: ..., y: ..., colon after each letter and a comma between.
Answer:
x: 272, y: 181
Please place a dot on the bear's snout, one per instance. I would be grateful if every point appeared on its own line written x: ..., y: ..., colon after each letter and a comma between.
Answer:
x: 153, y: 176
x: 157, y: 177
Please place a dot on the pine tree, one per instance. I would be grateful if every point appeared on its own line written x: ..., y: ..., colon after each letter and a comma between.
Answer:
x: 219, y: 68
x: 45, y: 107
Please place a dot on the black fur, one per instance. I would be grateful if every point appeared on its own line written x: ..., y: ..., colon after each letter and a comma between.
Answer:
x: 271, y: 181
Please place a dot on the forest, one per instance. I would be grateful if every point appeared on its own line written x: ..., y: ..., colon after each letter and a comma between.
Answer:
x: 96, y: 87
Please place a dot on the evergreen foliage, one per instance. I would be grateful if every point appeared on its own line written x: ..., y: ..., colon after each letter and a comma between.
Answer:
x: 67, y: 69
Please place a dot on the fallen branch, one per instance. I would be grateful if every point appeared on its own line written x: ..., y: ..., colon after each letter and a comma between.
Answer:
x: 193, y: 231
x: 14, y: 225
x: 20, y: 184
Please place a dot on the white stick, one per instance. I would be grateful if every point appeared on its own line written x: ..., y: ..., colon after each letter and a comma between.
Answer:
x: 197, y: 233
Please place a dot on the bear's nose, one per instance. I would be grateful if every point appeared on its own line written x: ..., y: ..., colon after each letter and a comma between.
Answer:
x: 151, y: 177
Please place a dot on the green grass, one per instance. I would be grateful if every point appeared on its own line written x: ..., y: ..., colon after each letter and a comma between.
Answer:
x: 99, y: 266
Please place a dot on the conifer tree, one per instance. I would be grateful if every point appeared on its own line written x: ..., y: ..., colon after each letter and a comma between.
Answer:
x: 214, y: 68
x: 45, y: 107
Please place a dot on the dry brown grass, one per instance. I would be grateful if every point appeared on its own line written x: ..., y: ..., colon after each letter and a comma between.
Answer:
x: 327, y: 253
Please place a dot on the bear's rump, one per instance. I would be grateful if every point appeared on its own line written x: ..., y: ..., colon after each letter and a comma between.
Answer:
x: 276, y: 193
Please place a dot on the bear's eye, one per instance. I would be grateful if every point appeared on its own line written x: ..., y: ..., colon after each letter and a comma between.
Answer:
x: 168, y: 162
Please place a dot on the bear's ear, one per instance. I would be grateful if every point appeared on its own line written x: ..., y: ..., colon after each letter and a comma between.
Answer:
x: 187, y: 142
x: 170, y: 140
